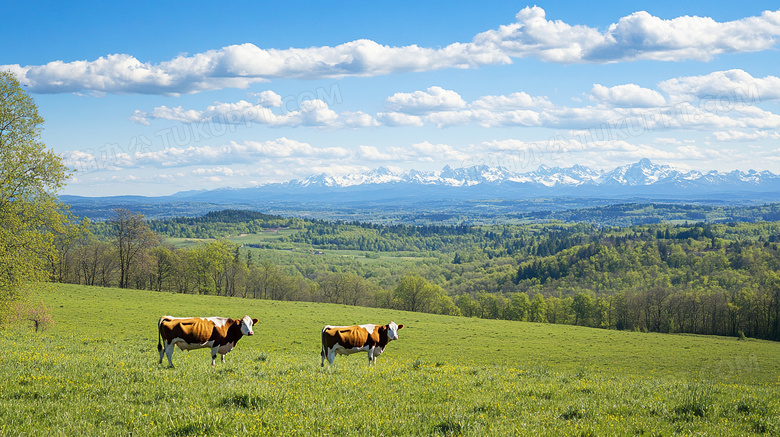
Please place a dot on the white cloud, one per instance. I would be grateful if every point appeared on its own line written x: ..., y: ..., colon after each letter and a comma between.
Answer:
x: 228, y: 154
x: 629, y: 95
x: 399, y: 119
x: 334, y: 169
x: 617, y: 108
x: 534, y: 36
x: 284, y: 147
x: 453, y: 118
x: 691, y: 152
x: 422, y: 102
x: 438, y: 152
x: 165, y: 113
x: 730, y: 87
x: 735, y: 135
x: 373, y: 154
x: 635, y: 37
x: 358, y: 119
x: 312, y: 113
x: 238, y: 66
x: 518, y: 100
x: 268, y: 98
x: 217, y: 171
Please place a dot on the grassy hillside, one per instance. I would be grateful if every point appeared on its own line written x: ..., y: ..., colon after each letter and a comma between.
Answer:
x: 96, y: 373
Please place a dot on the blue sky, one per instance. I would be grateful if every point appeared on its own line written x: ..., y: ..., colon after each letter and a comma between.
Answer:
x: 152, y: 99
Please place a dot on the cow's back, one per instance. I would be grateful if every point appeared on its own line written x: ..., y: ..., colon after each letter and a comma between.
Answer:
x: 346, y: 336
x: 191, y: 330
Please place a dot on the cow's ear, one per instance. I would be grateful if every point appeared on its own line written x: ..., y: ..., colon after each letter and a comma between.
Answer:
x: 400, y: 326
x: 254, y: 321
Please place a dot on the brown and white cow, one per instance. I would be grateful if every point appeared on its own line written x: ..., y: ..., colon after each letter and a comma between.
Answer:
x: 346, y: 340
x: 218, y: 333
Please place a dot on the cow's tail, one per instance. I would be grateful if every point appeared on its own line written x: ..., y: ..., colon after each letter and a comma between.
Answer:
x: 322, y: 352
x: 159, y: 334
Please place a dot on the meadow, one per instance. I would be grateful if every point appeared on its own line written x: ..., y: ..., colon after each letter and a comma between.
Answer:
x: 96, y: 372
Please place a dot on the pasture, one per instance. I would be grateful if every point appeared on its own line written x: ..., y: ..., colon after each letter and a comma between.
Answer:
x: 96, y: 373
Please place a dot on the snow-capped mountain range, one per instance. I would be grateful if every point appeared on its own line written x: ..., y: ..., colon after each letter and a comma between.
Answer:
x: 642, y: 173
x: 480, y: 187
x: 641, y: 180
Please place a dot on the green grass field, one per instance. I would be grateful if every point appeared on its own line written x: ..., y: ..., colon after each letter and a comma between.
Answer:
x: 96, y: 373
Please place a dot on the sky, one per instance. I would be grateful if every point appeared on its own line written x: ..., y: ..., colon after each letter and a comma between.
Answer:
x: 148, y: 98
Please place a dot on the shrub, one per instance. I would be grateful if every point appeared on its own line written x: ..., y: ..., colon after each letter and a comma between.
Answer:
x: 37, y: 313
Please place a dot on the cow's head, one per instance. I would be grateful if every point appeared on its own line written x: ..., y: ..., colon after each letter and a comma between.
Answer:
x: 392, y: 330
x: 247, y: 323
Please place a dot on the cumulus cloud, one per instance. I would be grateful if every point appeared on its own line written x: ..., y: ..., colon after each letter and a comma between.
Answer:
x: 238, y: 66
x: 358, y: 119
x: 731, y: 87
x: 371, y: 153
x: 522, y: 155
x: 222, y: 155
x: 165, y: 113
x: 629, y: 95
x: 518, y: 100
x: 399, y: 119
x: 421, y: 102
x: 438, y: 152
x: 312, y: 113
x: 735, y: 135
x: 722, y: 100
x: 639, y: 36
x: 268, y: 98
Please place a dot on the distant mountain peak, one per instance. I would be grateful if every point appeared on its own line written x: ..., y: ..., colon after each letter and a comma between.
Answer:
x: 485, y: 181
x: 641, y: 173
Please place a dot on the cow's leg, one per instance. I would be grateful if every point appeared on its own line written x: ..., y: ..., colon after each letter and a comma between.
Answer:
x: 214, y: 351
x: 223, y: 358
x: 331, y: 356
x: 169, y: 353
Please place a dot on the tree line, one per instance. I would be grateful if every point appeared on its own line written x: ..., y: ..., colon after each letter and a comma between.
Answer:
x: 131, y: 255
x: 697, y: 278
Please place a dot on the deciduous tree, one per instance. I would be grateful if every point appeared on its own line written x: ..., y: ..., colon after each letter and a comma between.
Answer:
x: 132, y: 237
x: 30, y: 176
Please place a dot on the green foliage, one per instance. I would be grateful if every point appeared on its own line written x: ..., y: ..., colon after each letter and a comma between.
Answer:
x: 415, y: 293
x: 30, y: 214
x: 732, y: 208
x: 698, y: 278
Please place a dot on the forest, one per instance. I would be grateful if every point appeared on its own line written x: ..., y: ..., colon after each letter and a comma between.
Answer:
x: 697, y: 277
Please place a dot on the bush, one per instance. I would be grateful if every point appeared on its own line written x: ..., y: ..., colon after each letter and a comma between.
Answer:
x: 37, y: 313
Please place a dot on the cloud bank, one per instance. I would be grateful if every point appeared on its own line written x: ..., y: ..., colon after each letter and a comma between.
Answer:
x: 722, y: 100
x: 639, y: 36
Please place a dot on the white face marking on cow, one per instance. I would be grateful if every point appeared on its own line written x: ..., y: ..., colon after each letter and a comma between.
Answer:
x: 246, y: 326
x: 392, y: 331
